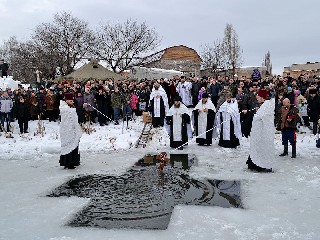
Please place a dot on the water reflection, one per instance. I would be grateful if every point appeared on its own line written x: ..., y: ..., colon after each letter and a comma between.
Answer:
x: 144, y: 197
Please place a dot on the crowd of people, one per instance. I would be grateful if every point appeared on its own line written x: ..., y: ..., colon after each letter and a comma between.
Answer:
x: 226, y: 104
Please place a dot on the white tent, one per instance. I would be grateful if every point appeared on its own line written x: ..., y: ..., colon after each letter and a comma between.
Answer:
x: 8, y: 82
x: 153, y: 73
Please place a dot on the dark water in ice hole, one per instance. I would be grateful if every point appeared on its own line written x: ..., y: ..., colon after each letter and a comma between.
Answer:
x: 144, y: 197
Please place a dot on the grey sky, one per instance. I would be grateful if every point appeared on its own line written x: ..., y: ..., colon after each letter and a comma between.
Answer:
x: 288, y: 28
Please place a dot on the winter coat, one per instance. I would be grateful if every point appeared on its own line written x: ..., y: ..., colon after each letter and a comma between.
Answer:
x: 34, y: 106
x: 50, y: 101
x: 78, y: 102
x: 41, y: 101
x: 214, y: 89
x: 116, y: 100
x: 200, y: 94
x: 6, y: 104
x: 22, y: 111
x: 102, y: 102
x: 89, y: 98
x: 314, y: 108
x: 134, y: 101
x: 289, y: 113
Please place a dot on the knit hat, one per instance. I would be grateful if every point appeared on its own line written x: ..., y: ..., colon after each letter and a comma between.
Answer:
x: 263, y: 93
x: 177, y: 98
x: 68, y: 96
x: 296, y: 92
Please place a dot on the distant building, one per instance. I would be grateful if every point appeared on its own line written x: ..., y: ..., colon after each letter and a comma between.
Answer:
x: 179, y: 58
x: 309, y: 68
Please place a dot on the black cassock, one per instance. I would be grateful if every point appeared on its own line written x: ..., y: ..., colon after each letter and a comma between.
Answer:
x: 157, y: 121
x: 204, y: 138
x: 234, y: 141
x: 246, y: 123
x: 184, y: 131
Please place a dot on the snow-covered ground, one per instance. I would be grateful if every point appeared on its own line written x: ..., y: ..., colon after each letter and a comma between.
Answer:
x: 280, y: 205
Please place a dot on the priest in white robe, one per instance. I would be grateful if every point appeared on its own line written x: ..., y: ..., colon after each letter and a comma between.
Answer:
x: 70, y: 133
x: 262, y: 149
x: 228, y: 123
x: 184, y: 91
x: 178, y: 118
x: 158, y: 105
x: 204, y: 115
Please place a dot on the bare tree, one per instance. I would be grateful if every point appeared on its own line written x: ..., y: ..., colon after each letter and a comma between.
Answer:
x: 122, y: 45
x: 213, y: 57
x: 267, y: 62
x: 232, y: 50
x: 18, y: 56
x: 62, y: 43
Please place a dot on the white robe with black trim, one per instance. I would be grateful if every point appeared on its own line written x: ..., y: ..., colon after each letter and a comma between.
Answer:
x: 229, y: 111
x: 176, y: 114
x: 155, y: 96
x: 203, y: 116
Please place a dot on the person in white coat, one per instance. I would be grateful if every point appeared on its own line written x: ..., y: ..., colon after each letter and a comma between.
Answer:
x: 262, y: 150
x: 184, y: 91
x: 70, y: 133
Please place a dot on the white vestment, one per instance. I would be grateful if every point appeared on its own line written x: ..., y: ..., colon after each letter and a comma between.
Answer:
x: 184, y: 91
x: 230, y: 111
x: 156, y: 94
x: 203, y: 116
x: 176, y: 114
x: 70, y: 130
x: 262, y: 136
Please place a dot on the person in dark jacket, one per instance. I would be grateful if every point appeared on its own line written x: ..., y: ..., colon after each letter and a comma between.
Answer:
x: 289, y: 119
x: 23, y: 115
x: 314, y: 108
x: 78, y: 103
x: 4, y: 67
x: 214, y: 90
x: 102, y: 106
x: 289, y: 95
x: 89, y: 99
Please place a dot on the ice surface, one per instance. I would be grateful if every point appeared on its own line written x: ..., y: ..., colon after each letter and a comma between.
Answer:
x: 280, y: 205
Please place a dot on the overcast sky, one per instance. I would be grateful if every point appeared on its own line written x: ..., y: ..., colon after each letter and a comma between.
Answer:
x: 289, y: 29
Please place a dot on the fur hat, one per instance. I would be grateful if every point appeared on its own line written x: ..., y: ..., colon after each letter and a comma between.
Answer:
x: 68, y: 96
x: 263, y: 93
x: 312, y: 91
x: 205, y: 95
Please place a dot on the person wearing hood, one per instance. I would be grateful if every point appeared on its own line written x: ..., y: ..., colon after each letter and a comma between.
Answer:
x: 204, y: 114
x: 70, y: 133
x: 261, y: 156
x: 158, y: 105
x: 228, y: 123
x: 178, y: 119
